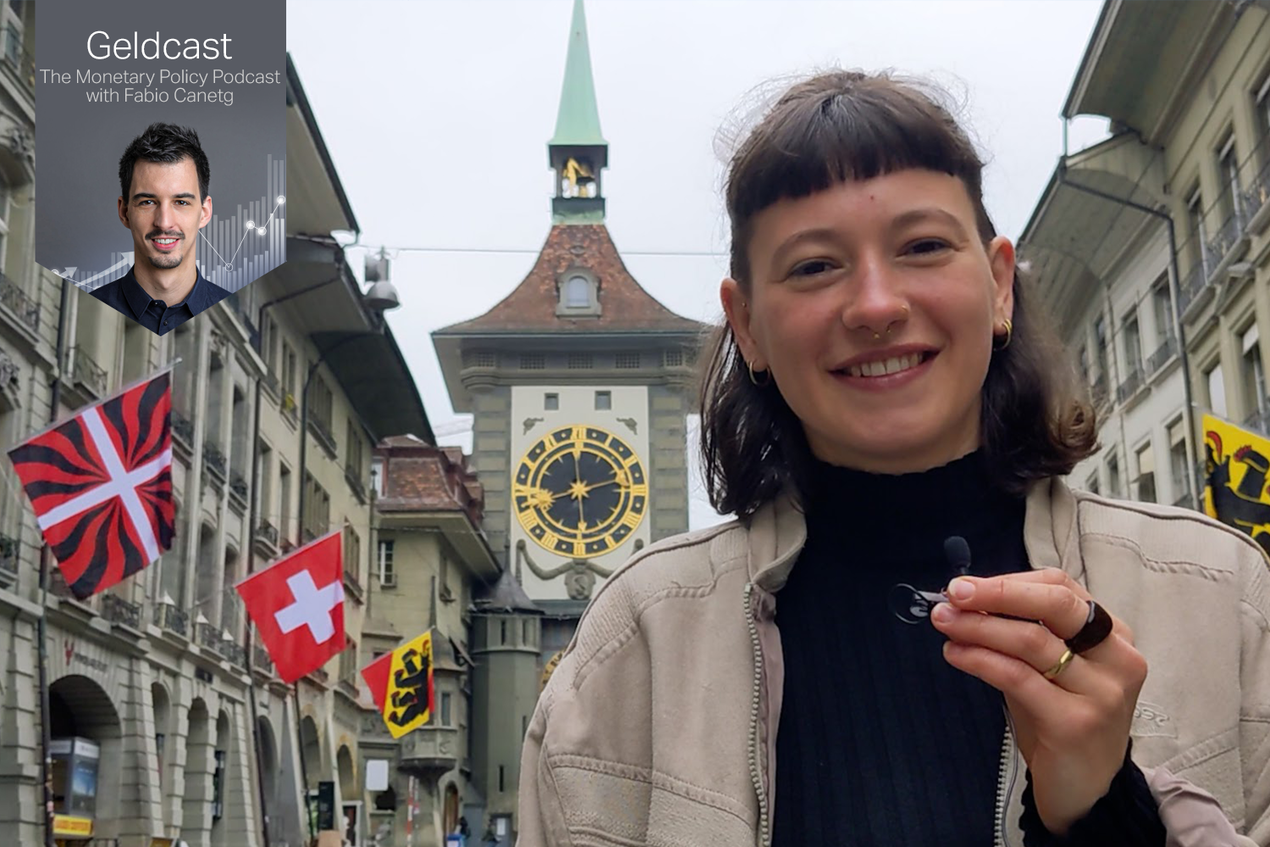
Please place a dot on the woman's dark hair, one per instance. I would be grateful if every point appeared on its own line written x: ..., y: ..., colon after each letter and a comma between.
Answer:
x: 165, y: 143
x: 839, y: 126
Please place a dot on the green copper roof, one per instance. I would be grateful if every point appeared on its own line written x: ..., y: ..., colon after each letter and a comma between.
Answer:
x: 578, y: 122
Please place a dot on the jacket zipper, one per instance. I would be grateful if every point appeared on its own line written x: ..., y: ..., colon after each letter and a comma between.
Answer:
x: 1005, y: 780
x: 755, y: 696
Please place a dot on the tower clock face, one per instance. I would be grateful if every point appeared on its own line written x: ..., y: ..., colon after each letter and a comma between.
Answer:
x: 580, y: 492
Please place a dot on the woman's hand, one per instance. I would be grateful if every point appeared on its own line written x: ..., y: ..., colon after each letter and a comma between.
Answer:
x: 1073, y: 729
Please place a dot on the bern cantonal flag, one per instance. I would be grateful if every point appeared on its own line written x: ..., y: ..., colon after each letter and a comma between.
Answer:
x: 101, y: 486
x: 297, y: 605
x: 400, y: 683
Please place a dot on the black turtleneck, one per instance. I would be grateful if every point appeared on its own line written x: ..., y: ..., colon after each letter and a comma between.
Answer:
x: 881, y: 741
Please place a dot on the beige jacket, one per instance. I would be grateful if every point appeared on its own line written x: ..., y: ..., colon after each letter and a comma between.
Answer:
x: 659, y: 724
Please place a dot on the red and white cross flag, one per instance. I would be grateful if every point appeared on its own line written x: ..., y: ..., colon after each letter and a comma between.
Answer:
x: 101, y: 485
x: 297, y: 605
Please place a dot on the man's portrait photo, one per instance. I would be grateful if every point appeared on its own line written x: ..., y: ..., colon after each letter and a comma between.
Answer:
x: 164, y: 180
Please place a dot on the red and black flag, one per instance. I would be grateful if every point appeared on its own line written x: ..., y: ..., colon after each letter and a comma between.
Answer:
x: 101, y: 486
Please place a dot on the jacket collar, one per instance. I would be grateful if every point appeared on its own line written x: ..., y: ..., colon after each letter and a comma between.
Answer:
x: 778, y: 531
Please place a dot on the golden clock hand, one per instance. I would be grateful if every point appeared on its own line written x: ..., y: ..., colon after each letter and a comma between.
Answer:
x: 587, y: 489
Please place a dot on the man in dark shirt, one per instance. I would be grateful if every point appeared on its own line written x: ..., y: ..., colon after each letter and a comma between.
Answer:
x: 163, y: 181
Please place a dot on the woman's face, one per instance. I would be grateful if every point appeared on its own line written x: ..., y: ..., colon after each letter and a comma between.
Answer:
x: 873, y: 304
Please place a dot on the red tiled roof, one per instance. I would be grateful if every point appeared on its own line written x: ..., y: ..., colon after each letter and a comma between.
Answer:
x: 422, y: 478
x: 624, y: 304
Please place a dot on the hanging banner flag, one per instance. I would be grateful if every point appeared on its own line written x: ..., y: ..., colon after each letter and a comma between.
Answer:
x: 1237, y: 462
x: 401, y: 684
x: 101, y: 486
x: 297, y: 605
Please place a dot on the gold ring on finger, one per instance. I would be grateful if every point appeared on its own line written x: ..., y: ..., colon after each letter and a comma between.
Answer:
x: 1060, y: 666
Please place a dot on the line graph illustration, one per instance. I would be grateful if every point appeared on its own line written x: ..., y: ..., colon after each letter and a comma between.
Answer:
x: 279, y: 202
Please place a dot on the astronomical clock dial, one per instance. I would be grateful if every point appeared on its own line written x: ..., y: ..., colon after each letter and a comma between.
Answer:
x: 580, y: 492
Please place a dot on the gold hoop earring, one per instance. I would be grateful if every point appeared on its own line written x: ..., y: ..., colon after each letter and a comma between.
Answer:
x: 1009, y: 336
x: 767, y: 374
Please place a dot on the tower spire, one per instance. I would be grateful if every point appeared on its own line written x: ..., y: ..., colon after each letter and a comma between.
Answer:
x: 578, y: 121
x: 577, y: 151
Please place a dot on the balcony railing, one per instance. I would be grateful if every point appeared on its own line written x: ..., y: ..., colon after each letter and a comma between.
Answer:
x: 352, y: 582
x: 266, y: 536
x: 9, y: 369
x: 1192, y: 284
x: 214, y: 460
x: 323, y: 436
x: 118, y: 610
x: 238, y: 491
x: 1227, y: 235
x: 233, y: 652
x: 18, y: 60
x: 183, y: 430
x: 27, y: 310
x: 8, y: 554
x: 208, y: 635
x: 88, y: 373
x: 1258, y: 192
x: 1162, y: 354
x: 1260, y: 418
x: 57, y: 584
x: 260, y: 659
x: 169, y: 617
x: 355, y: 484
x: 236, y: 305
x: 1130, y: 385
x: 1100, y: 393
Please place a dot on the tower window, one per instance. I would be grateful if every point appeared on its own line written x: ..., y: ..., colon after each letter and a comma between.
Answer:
x: 551, y: 402
x: 532, y: 361
x: 581, y: 361
x: 626, y: 360
x: 603, y: 400
x: 577, y: 294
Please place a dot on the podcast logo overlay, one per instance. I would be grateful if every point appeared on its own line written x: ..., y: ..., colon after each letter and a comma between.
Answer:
x: 163, y: 129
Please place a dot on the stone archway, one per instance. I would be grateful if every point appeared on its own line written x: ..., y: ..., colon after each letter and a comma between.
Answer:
x: 223, y: 754
x: 163, y: 741
x: 311, y: 750
x: 196, y: 808
x: 350, y: 797
x: 347, y: 775
x: 88, y: 749
x: 450, y: 810
x: 269, y: 784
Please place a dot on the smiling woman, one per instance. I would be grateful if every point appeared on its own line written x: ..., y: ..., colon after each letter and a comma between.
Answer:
x: 882, y: 411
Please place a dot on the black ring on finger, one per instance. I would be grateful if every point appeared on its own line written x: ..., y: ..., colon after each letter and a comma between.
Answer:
x: 1095, y: 631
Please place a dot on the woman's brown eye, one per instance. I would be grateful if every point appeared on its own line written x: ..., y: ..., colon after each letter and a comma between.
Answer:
x: 927, y: 245
x: 810, y: 268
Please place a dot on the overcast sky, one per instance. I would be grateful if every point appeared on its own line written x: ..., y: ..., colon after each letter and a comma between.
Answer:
x: 437, y: 115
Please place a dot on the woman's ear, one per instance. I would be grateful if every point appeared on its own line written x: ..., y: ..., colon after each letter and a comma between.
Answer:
x: 1002, y: 262
x: 736, y: 308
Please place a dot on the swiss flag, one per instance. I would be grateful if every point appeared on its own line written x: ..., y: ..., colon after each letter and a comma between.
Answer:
x: 297, y: 605
x: 101, y: 485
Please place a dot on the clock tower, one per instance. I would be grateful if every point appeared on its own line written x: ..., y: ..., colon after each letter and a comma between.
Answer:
x: 579, y: 385
x: 578, y: 381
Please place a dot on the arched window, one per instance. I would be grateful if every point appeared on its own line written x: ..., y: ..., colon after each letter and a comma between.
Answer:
x: 577, y: 293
